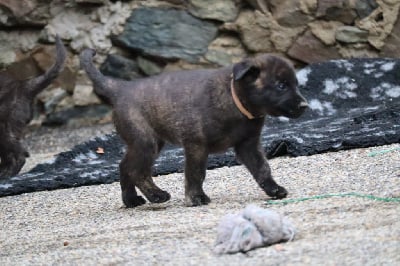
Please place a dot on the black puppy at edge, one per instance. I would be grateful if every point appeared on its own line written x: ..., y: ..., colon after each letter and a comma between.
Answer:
x: 16, y: 99
x: 205, y: 111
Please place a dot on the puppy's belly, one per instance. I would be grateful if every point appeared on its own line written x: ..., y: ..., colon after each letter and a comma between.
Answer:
x: 214, y: 142
x: 221, y: 146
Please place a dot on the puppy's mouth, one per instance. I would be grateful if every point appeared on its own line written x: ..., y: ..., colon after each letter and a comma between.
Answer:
x: 290, y: 113
x: 294, y: 114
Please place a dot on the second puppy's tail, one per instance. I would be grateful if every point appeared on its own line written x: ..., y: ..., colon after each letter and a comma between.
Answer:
x: 103, y: 86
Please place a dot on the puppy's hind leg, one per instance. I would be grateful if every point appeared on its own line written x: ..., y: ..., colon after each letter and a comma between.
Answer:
x: 129, y: 195
x: 250, y: 154
x: 135, y: 170
x: 195, y: 172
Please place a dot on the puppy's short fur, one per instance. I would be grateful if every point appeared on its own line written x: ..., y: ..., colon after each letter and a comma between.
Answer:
x: 16, y: 99
x: 195, y: 109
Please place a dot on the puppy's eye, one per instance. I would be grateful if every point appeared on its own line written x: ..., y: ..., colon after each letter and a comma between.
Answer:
x: 281, y: 86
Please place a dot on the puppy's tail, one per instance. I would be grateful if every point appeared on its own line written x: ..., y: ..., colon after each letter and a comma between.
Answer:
x: 38, y: 84
x: 103, y: 86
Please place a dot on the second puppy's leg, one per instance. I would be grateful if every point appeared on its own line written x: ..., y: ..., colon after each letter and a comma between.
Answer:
x: 12, y: 156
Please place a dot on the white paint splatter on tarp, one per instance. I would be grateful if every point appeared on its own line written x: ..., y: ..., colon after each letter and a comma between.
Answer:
x: 302, y: 76
x: 387, y: 66
x: 342, y: 87
x: 299, y: 140
x: 393, y: 92
x: 283, y: 119
x: 89, y: 156
x: 79, y: 158
x: 93, y: 175
x: 390, y: 90
x: 6, y: 186
x: 378, y: 68
x: 322, y: 108
x: 344, y: 64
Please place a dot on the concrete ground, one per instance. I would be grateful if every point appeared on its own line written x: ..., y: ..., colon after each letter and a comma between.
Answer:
x: 90, y: 226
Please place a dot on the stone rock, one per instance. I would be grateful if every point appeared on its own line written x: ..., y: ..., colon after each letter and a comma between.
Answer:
x: 283, y: 37
x: 350, y: 34
x: 24, y: 69
x: 261, y: 33
x: 176, y: 2
x: 365, y: 7
x: 379, y: 23
x: 67, y: 24
x: 84, y: 95
x: 7, y: 57
x: 391, y: 2
x: 260, y: 5
x: 225, y: 50
x: 87, y: 27
x: 309, y: 7
x: 51, y: 98
x: 184, y: 65
x: 120, y: 67
x: 65, y: 104
x: 44, y: 57
x: 391, y: 47
x: 218, y: 57
x: 339, y: 10
x: 100, y: 2
x: 290, y: 13
x: 23, y: 12
x: 67, y: 78
x: 150, y: 31
x: 309, y: 49
x: 111, y: 19
x: 357, y: 50
x: 255, y: 31
x: 24, y: 40
x: 148, y: 67
x: 222, y: 10
x: 325, y: 30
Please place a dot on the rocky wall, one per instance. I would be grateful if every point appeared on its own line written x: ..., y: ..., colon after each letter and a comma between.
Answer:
x: 141, y: 38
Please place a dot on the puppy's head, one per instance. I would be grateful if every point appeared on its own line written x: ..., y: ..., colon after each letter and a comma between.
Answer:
x: 267, y: 84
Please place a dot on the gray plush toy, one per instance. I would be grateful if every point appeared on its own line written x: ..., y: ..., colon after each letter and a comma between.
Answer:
x: 252, y: 228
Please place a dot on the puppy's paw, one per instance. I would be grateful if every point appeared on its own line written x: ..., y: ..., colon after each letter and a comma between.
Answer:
x: 277, y: 192
x: 158, y: 196
x: 132, y: 201
x: 197, y: 200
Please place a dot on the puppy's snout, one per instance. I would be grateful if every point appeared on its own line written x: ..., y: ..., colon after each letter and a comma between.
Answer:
x: 303, y: 104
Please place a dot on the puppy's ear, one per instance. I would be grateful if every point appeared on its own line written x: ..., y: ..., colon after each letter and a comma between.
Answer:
x: 245, y: 69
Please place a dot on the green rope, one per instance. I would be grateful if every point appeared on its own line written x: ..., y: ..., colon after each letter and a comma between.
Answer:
x: 375, y: 153
x: 324, y: 196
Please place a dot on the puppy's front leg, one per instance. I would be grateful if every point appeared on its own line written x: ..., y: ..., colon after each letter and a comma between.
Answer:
x: 250, y: 154
x: 195, y: 172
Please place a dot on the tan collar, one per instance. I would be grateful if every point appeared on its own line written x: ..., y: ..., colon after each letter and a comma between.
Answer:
x: 238, y: 104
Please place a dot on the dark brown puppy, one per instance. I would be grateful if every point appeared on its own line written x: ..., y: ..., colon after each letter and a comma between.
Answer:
x: 196, y: 109
x: 16, y: 99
